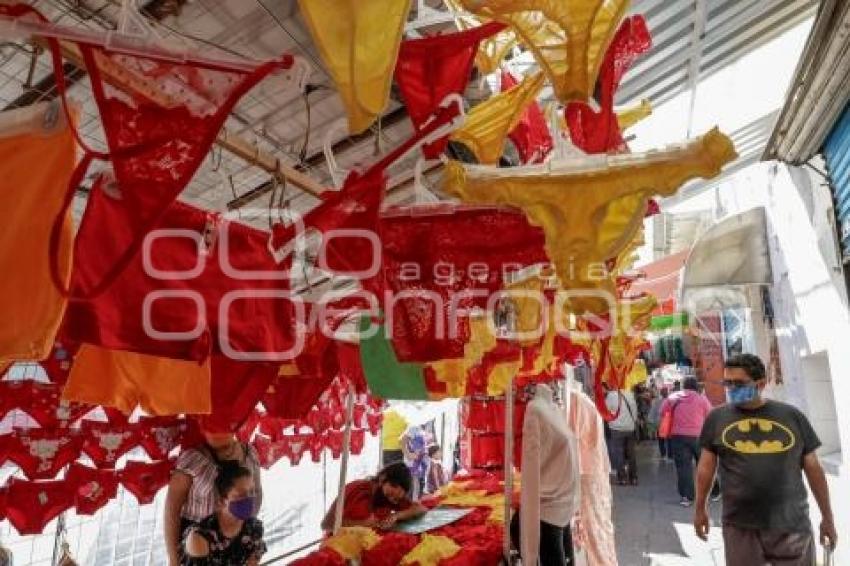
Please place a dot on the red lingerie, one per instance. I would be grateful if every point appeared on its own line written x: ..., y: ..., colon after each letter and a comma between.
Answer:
x: 469, y: 249
x: 31, y: 505
x: 42, y: 453
x: 292, y: 397
x: 531, y: 135
x: 57, y: 366
x: 160, y: 435
x: 255, y: 320
x: 106, y: 443
x: 92, y: 488
x: 144, y: 480
x: 431, y: 68
x: 236, y: 389
x: 42, y: 402
x: 599, y: 132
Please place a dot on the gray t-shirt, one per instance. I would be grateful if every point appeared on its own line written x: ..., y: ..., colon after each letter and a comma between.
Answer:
x: 761, y: 458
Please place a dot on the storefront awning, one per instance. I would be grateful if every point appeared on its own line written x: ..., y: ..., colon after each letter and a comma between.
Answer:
x: 730, y: 255
x: 661, y: 280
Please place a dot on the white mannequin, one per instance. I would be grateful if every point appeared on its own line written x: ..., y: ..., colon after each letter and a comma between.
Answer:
x: 550, y: 473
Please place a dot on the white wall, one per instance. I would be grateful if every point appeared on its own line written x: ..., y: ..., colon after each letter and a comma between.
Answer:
x: 810, y: 304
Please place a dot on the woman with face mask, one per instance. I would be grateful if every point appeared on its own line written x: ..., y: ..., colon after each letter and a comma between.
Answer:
x: 231, y: 536
x: 379, y: 502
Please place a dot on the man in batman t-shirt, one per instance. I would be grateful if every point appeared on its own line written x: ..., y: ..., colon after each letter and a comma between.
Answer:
x: 763, y: 447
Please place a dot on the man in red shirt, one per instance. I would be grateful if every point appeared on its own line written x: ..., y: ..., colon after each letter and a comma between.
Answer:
x: 378, y: 502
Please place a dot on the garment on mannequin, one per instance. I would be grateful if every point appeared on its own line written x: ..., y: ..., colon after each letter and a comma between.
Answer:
x: 550, y: 479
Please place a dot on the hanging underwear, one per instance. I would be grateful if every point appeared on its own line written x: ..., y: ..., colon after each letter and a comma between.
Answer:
x: 531, y: 135
x: 160, y: 435
x: 488, y: 124
x: 592, y: 210
x: 106, y: 443
x: 293, y: 397
x: 31, y: 505
x: 124, y: 380
x: 144, y: 480
x: 269, y: 452
x: 92, y: 489
x: 42, y: 402
x: 43, y: 453
x: 35, y: 169
x: 431, y: 68
x: 492, y: 50
x: 57, y: 365
x: 568, y: 38
x: 471, y: 249
x: 359, y: 42
x: 236, y: 387
x: 157, y: 139
x: 115, y: 319
x: 601, y: 132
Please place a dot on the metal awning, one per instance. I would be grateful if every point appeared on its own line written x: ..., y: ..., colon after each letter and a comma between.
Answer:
x: 819, y: 91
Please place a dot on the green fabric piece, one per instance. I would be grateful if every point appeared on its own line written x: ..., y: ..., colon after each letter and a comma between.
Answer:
x: 663, y: 322
x: 386, y: 376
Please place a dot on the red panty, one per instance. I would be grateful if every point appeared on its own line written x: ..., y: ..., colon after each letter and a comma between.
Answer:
x: 42, y: 453
x: 160, y: 435
x: 92, y: 488
x: 31, y: 505
x: 106, y: 443
x: 144, y: 480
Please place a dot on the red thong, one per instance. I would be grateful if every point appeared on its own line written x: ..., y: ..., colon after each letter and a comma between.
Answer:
x: 160, y: 435
x: 431, y: 68
x: 599, y: 132
x: 42, y: 402
x: 106, y: 443
x: 469, y: 250
x: 531, y: 135
x: 317, y: 443
x: 42, y: 453
x: 358, y: 441
x: 115, y: 319
x: 236, y: 389
x: 333, y: 439
x: 374, y: 422
x: 144, y: 479
x: 31, y: 505
x: 92, y: 488
x: 156, y: 143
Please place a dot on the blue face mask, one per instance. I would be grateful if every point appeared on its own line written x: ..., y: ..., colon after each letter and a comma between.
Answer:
x: 741, y: 395
x: 242, y: 509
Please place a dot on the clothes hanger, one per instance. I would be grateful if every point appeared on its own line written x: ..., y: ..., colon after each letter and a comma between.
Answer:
x: 134, y: 36
x: 338, y: 174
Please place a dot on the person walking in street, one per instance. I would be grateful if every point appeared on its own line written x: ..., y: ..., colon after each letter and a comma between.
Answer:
x: 654, y: 419
x: 688, y: 411
x: 763, y: 448
x: 623, y: 431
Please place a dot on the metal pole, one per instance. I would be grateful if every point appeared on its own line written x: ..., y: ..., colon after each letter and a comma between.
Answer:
x: 509, y: 467
x: 343, y: 468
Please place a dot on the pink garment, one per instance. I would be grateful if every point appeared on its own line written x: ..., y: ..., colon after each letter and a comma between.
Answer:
x: 691, y: 411
x: 597, y: 538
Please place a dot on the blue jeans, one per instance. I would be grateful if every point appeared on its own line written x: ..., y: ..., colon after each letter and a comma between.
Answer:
x: 686, y: 454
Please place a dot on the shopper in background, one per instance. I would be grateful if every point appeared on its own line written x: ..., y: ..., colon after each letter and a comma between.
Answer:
x: 377, y: 502
x: 688, y: 410
x: 623, y: 435
x: 191, y: 495
x: 654, y: 419
x: 436, y: 473
x: 392, y: 429
x: 764, y: 448
x: 231, y: 536
x: 414, y: 446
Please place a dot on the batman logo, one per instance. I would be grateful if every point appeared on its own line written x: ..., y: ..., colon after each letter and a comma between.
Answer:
x: 758, y: 436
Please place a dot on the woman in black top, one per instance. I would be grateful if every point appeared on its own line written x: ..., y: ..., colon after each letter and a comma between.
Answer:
x: 231, y: 536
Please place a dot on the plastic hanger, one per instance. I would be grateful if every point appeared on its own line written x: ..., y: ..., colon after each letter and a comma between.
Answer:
x: 338, y: 174
x: 134, y: 37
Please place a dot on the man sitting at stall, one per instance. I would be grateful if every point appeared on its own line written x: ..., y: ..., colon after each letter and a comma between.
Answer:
x: 377, y: 502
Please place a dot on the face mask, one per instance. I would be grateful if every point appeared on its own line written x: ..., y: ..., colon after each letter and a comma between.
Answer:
x: 242, y: 508
x: 741, y: 395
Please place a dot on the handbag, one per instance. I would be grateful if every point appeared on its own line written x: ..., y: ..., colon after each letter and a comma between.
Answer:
x: 665, y: 427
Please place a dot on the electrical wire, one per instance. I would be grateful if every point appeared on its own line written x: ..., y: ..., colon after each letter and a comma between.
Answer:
x: 300, y: 45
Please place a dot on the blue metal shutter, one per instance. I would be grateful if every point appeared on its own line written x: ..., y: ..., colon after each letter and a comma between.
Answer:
x: 837, y: 154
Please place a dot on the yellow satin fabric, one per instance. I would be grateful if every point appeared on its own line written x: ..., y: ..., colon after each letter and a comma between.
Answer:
x: 628, y: 117
x: 567, y: 37
x: 593, y: 209
x: 488, y: 124
x: 492, y: 50
x: 350, y: 542
x: 358, y: 41
x: 431, y: 550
